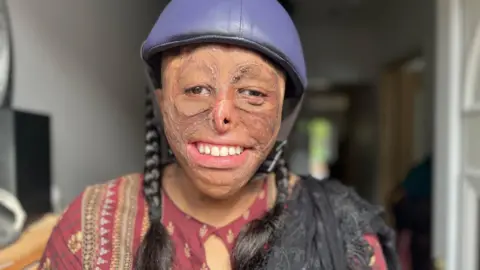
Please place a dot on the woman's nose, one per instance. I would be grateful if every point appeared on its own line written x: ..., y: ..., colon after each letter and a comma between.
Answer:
x: 224, y: 116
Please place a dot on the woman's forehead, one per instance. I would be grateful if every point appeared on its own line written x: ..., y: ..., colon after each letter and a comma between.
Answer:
x: 218, y: 55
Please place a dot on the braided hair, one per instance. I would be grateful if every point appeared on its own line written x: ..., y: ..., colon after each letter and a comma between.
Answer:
x: 253, y: 243
x: 156, y: 249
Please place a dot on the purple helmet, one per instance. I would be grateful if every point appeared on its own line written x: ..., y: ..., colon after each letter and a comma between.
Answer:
x: 260, y: 25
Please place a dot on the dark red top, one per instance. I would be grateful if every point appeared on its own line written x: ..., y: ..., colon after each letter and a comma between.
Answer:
x: 189, y: 234
x: 103, y: 227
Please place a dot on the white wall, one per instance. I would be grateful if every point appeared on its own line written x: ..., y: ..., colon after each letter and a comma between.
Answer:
x: 78, y: 61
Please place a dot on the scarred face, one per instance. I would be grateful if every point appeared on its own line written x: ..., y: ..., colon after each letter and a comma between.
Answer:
x: 221, y: 109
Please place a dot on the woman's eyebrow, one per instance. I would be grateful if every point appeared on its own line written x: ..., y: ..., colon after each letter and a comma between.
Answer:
x: 251, y: 71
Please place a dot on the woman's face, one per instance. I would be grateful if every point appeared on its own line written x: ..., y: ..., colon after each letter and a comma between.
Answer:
x: 221, y: 108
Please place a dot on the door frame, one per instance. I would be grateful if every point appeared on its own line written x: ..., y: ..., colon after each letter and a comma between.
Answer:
x: 447, y: 144
x: 396, y: 93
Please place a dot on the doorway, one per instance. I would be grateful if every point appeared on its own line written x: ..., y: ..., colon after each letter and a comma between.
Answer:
x: 404, y: 129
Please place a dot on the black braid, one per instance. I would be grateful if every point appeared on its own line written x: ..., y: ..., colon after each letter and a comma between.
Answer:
x: 155, y: 251
x: 254, y: 243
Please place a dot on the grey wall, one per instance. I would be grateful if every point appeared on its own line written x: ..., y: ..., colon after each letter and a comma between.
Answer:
x: 338, y: 49
x: 349, y: 45
x: 78, y: 61
x: 407, y: 26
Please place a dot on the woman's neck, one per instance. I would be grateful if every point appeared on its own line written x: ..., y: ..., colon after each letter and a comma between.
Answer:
x: 215, y: 212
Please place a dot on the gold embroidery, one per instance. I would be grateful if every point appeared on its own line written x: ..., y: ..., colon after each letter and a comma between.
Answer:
x: 170, y: 228
x: 246, y: 214
x: 116, y: 228
x: 186, y: 249
x: 203, y: 230
x: 230, y: 236
x: 124, y: 223
x: 91, y: 201
x: 75, y: 242
x: 145, y: 221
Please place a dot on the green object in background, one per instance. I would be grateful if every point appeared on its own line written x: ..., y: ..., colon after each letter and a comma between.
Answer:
x: 319, y: 140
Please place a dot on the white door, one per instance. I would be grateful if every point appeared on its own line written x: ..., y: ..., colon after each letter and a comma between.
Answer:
x: 457, y: 136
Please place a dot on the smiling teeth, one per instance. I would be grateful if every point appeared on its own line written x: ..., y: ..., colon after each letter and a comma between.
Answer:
x: 219, y: 151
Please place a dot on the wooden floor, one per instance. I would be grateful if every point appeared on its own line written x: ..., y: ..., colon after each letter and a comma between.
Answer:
x: 26, y: 251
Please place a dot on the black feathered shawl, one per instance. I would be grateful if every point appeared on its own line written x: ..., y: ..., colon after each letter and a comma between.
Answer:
x: 325, y: 229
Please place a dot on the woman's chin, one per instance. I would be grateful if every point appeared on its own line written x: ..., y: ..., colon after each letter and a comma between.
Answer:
x: 219, y: 184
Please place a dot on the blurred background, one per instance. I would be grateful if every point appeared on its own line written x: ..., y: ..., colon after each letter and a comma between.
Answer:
x: 391, y: 110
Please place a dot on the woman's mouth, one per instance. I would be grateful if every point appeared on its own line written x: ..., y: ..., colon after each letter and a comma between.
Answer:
x: 217, y: 156
x: 218, y: 150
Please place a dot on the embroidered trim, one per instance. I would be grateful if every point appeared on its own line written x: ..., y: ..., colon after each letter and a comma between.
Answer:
x: 124, y: 224
x: 105, y: 219
x: 145, y: 221
x: 90, y: 204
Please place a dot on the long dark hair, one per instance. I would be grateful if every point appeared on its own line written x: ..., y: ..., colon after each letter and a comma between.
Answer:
x: 254, y: 242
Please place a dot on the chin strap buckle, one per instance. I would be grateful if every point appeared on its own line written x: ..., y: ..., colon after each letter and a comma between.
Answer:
x: 268, y: 166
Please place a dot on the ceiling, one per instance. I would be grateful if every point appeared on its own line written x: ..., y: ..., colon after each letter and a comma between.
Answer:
x: 325, y: 9
x: 329, y: 3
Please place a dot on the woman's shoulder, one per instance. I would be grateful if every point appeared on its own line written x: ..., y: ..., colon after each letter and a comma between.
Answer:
x: 342, y: 198
x: 358, y: 221
x: 91, y: 225
x: 346, y: 204
x: 109, y: 195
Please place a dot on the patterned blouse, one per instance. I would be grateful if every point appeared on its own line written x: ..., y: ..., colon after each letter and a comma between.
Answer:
x: 103, y: 227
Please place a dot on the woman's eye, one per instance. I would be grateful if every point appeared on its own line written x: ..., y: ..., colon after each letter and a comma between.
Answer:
x: 252, y: 93
x: 198, y: 90
x: 253, y: 97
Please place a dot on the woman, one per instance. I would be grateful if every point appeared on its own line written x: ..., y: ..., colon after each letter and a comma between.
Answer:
x: 411, y: 206
x: 229, y: 77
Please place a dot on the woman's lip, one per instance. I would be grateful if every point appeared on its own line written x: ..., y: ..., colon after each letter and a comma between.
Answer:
x: 221, y: 143
x: 216, y: 162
